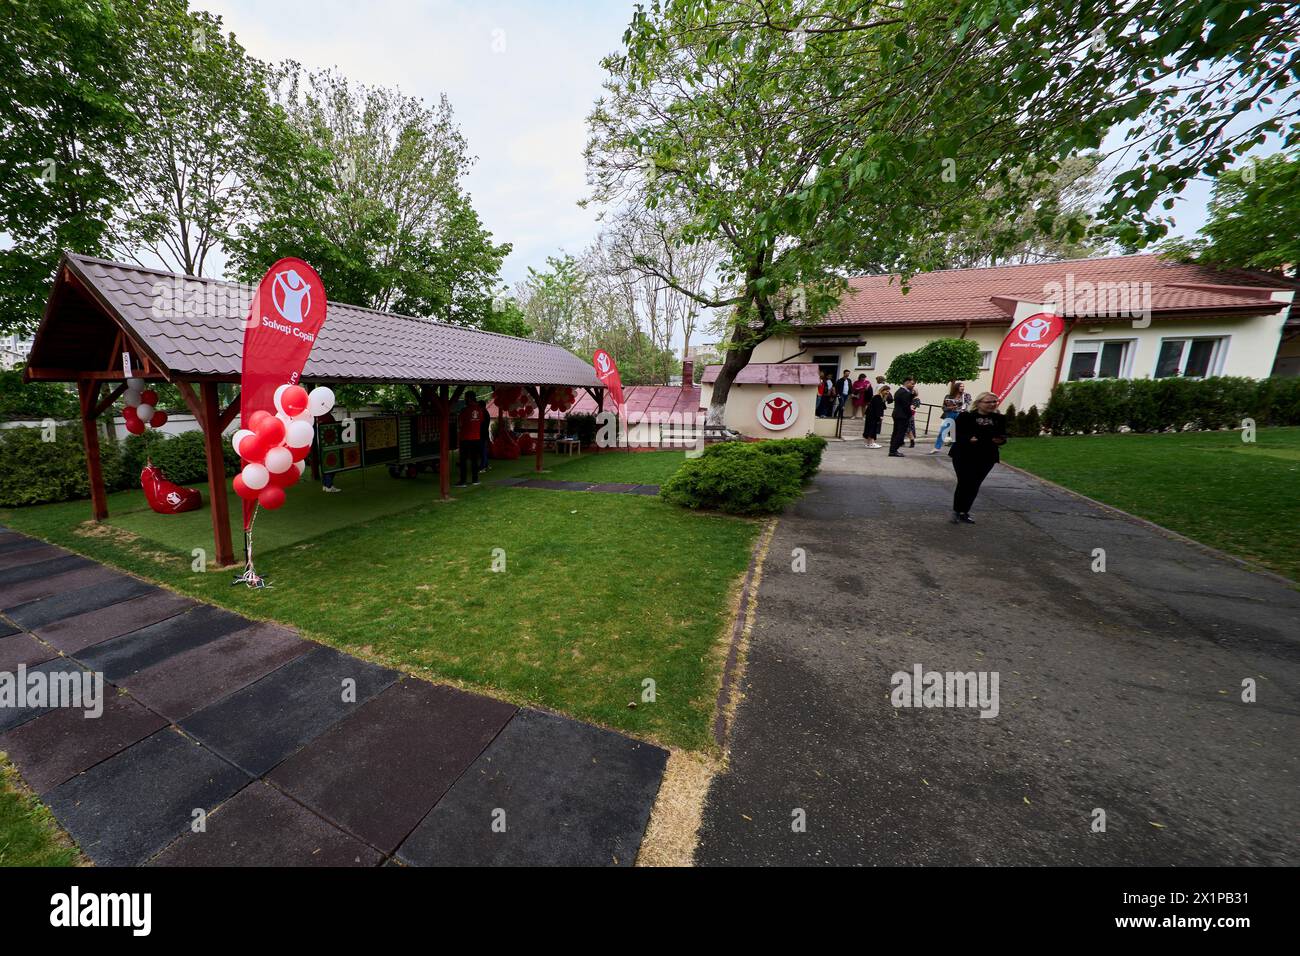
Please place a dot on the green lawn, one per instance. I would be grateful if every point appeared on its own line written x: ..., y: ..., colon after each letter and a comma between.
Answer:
x: 600, y: 591
x: 29, y: 835
x: 638, y: 467
x: 1236, y: 496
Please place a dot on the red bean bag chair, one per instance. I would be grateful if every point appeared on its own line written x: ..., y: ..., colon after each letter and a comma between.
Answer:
x: 167, y: 497
x: 527, y: 444
x: 504, y: 444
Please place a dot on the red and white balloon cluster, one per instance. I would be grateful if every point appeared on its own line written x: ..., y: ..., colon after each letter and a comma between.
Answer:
x: 139, y: 407
x: 273, y: 447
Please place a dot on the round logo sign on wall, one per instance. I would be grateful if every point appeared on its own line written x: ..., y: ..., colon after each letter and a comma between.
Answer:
x: 777, y: 411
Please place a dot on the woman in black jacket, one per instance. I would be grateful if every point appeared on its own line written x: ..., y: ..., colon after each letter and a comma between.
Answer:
x: 980, y: 432
x: 875, y: 415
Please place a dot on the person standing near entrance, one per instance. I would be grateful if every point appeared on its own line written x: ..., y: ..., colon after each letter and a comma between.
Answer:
x: 876, y: 414
x: 902, y: 416
x: 981, y: 432
x: 469, y: 426
x: 861, y: 395
x: 954, y: 403
x: 843, y: 392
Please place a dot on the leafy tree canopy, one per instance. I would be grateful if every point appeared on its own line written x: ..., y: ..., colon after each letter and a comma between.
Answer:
x: 940, y: 360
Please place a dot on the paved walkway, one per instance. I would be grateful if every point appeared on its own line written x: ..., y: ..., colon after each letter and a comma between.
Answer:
x: 1119, y: 691
x: 606, y: 487
x: 291, y: 752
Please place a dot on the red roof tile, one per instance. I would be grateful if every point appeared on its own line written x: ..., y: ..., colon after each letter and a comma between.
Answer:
x: 957, y: 296
x: 783, y: 373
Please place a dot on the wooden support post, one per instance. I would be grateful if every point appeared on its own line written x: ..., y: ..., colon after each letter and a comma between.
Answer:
x: 207, y: 410
x: 443, y: 407
x: 88, y: 393
x: 541, y: 423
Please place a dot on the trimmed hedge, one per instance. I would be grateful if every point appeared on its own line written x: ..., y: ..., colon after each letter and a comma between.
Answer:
x: 33, y: 471
x: 746, y: 478
x: 1165, y: 404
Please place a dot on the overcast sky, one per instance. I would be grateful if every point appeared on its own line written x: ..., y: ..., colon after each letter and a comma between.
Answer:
x: 521, y: 78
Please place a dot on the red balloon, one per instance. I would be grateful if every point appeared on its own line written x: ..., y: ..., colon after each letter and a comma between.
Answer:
x: 270, y: 432
x: 159, y: 419
x: 241, y: 489
x: 300, y: 453
x: 256, y: 419
x: 135, y: 426
x: 270, y: 497
x: 285, y: 479
x: 294, y: 400
x: 253, y: 449
x: 148, y: 397
x: 129, y: 412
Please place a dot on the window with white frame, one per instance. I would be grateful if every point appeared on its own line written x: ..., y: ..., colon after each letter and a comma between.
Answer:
x: 1101, y: 358
x: 986, y: 360
x: 1191, y: 357
x: 866, y: 360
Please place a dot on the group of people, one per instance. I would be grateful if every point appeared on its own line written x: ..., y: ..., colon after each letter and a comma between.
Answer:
x: 974, y: 429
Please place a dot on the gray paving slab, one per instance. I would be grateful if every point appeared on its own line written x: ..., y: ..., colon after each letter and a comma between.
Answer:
x: 6, y: 628
x: 37, y: 552
x: 260, y: 826
x: 13, y: 541
x: 378, y: 772
x: 193, y: 679
x: 63, y: 578
x: 44, y: 568
x: 57, y: 746
x: 124, y: 810
x: 148, y: 646
x: 572, y: 795
x: 258, y: 727
x: 92, y: 597
x: 73, y: 634
x: 17, y: 711
x: 23, y: 649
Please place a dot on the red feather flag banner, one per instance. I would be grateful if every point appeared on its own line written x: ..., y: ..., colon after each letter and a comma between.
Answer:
x: 607, y: 372
x: 1023, y: 346
x: 277, y: 415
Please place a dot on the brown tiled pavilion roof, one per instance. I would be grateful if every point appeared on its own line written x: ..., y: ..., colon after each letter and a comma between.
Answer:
x: 205, y: 338
x: 957, y: 296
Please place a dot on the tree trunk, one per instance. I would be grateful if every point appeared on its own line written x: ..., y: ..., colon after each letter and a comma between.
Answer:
x: 732, y: 365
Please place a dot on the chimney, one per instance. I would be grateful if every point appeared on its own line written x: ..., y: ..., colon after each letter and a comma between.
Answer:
x: 688, y: 374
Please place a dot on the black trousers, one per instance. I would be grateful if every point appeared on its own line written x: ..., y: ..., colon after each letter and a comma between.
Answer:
x: 971, y: 472
x: 470, y: 453
x: 899, y: 435
x: 871, y: 430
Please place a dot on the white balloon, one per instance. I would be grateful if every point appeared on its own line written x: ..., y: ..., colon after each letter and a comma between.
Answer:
x: 135, y: 385
x: 301, y: 466
x: 132, y: 396
x: 298, y: 434
x: 305, y: 416
x: 278, y: 460
x: 320, y: 401
x: 145, y: 412
x: 256, y: 476
x: 284, y: 417
x: 275, y: 399
x: 238, y: 437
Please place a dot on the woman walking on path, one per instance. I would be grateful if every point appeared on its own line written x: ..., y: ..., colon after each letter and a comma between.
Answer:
x: 955, y: 402
x: 980, y: 433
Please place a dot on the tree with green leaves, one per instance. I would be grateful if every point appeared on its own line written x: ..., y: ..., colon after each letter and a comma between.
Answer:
x: 374, y: 201
x: 939, y: 360
x: 812, y: 139
x: 63, y: 65
x: 1253, y: 222
x: 204, y: 127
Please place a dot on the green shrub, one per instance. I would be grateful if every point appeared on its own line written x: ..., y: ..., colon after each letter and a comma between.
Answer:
x: 809, y: 450
x: 745, y: 479
x: 181, y: 457
x: 35, y: 400
x: 34, y: 472
x: 1146, y: 405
